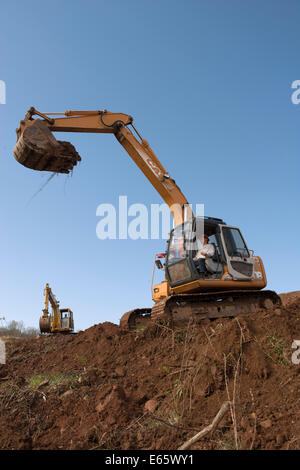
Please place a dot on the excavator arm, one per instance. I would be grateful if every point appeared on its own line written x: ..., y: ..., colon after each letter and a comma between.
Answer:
x: 37, y: 148
x: 50, y: 297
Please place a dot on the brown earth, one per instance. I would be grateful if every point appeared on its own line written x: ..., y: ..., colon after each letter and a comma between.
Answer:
x: 106, y: 388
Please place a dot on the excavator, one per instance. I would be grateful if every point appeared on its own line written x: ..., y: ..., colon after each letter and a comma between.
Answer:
x: 234, y: 278
x: 61, y: 320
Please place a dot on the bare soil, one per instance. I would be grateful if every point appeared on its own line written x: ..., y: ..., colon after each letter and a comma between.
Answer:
x: 106, y: 388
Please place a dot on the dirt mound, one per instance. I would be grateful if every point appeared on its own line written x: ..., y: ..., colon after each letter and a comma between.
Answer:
x: 106, y: 388
x: 290, y: 297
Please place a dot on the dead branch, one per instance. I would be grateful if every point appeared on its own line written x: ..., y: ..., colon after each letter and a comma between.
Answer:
x: 223, y: 410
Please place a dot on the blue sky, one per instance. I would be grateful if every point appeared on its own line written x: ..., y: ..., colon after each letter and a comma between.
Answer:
x: 209, y: 86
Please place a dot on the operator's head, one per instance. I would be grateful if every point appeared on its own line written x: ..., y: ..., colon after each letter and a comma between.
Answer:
x: 204, y: 239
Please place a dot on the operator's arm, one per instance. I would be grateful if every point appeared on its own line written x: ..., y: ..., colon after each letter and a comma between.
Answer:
x: 208, y: 251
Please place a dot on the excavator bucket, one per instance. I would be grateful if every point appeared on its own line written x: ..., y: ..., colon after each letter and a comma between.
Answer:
x: 45, y: 325
x: 38, y: 149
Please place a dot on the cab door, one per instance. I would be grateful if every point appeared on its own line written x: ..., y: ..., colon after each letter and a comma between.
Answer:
x: 239, y: 260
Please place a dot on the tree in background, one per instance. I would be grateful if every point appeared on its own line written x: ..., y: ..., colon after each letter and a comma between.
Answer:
x: 18, y: 330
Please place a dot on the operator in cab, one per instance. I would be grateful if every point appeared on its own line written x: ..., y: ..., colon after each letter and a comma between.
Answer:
x: 206, y: 251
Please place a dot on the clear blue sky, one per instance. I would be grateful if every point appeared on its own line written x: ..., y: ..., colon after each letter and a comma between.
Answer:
x: 209, y: 85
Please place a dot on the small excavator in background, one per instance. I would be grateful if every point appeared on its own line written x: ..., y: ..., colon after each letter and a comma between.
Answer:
x: 61, y: 319
x: 234, y: 276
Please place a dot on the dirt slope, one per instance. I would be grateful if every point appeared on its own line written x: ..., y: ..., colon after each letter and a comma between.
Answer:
x: 106, y: 388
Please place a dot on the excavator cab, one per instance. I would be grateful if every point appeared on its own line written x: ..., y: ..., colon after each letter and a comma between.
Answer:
x: 66, y: 319
x: 183, y: 246
x: 232, y: 260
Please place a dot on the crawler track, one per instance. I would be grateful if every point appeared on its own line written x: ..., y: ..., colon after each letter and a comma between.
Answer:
x: 200, y: 306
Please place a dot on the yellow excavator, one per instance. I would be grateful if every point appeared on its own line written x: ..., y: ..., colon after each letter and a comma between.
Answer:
x: 60, y: 321
x: 234, y: 277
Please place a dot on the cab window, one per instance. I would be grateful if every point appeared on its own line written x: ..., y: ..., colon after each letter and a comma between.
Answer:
x: 176, y: 246
x: 234, y: 242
